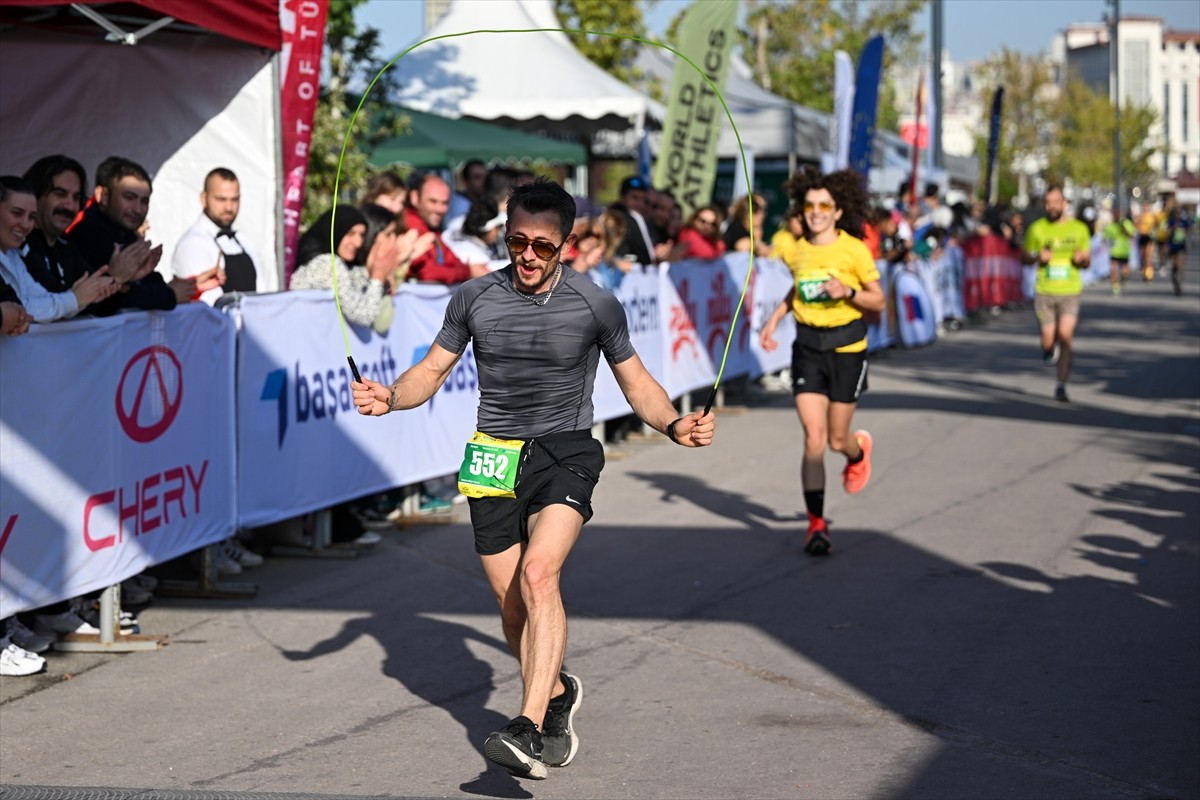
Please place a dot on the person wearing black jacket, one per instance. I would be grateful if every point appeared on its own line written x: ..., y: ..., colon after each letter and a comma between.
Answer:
x: 112, y: 221
x: 631, y: 206
x: 52, y: 261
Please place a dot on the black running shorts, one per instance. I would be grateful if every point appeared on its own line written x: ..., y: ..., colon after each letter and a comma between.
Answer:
x: 561, y: 468
x: 842, y: 377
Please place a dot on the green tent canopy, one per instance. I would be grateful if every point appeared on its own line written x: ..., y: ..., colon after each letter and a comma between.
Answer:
x: 435, y: 142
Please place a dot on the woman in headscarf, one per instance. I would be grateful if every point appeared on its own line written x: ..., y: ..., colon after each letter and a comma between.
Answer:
x: 367, y: 253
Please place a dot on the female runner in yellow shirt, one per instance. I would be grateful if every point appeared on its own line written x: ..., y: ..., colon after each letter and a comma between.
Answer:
x: 834, y: 282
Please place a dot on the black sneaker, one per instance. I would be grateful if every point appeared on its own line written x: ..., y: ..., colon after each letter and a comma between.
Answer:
x: 558, y: 737
x: 1060, y: 394
x: 517, y: 748
x: 1050, y: 357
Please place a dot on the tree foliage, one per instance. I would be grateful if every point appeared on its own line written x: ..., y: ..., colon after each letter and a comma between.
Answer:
x: 613, y: 54
x: 1027, y: 118
x: 791, y: 46
x: 353, y: 60
x: 1058, y: 134
x: 1084, y: 149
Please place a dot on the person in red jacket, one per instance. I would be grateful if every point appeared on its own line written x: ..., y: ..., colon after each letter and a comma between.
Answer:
x: 428, y: 202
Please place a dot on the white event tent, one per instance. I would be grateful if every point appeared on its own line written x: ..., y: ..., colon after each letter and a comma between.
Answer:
x: 536, y: 82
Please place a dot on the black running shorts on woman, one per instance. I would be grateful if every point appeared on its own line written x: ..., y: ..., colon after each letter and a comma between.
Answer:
x: 840, y: 376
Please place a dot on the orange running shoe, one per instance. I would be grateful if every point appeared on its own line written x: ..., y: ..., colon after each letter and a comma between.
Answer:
x: 816, y: 543
x: 855, y: 476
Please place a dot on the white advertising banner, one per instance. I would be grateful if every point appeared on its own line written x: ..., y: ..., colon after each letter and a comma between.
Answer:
x: 639, y: 294
x: 703, y: 297
x: 132, y: 467
x: 302, y: 445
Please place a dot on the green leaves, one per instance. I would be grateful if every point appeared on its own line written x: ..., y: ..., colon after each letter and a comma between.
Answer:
x: 1059, y: 133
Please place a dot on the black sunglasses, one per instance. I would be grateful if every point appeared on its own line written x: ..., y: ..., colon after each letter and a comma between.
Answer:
x: 542, y: 249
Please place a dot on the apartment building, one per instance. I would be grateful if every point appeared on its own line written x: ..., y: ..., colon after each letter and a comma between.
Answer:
x: 1157, y: 67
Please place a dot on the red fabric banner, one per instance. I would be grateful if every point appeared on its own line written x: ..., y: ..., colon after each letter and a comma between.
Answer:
x: 991, y: 273
x: 303, y: 26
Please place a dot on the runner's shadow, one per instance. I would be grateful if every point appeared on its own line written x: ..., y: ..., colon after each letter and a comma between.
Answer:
x: 733, y: 506
x: 457, y: 681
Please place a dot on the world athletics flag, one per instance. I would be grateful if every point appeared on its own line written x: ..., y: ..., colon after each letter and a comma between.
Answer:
x: 687, y: 159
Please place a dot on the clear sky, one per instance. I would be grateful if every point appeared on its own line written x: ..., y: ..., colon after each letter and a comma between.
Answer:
x: 973, y: 28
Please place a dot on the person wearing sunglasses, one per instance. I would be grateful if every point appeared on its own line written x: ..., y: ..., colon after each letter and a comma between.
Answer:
x: 701, y: 236
x: 791, y: 231
x: 834, y: 281
x: 538, y: 331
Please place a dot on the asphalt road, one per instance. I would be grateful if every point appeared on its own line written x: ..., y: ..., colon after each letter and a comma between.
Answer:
x: 1012, y: 610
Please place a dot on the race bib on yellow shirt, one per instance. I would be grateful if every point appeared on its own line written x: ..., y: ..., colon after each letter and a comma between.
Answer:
x: 1058, y: 272
x: 811, y: 290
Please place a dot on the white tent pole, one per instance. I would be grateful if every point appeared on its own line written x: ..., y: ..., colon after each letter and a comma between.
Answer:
x: 280, y: 177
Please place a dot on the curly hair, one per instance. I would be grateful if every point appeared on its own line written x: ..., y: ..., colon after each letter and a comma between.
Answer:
x: 847, y: 188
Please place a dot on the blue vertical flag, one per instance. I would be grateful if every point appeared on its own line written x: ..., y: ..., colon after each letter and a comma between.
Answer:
x: 993, y: 143
x: 866, y: 100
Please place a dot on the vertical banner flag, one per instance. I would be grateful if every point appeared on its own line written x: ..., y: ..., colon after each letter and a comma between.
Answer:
x: 687, y: 158
x: 843, y: 106
x: 644, y: 159
x: 303, y: 26
x: 866, y: 98
x: 916, y: 146
x: 933, y: 140
x: 993, y: 143
x: 743, y: 165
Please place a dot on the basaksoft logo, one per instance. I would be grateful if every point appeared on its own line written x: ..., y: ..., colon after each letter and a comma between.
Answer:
x: 149, y: 393
x: 319, y: 395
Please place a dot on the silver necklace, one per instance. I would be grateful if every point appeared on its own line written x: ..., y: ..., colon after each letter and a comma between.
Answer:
x: 553, y: 285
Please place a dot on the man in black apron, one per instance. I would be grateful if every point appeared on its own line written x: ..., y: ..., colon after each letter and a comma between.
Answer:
x: 211, y: 247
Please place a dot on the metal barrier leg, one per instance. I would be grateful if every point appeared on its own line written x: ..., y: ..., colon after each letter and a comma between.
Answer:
x: 110, y: 639
x: 208, y: 584
x: 320, y: 538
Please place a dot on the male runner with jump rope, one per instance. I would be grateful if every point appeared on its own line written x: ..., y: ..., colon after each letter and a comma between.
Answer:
x: 538, y: 331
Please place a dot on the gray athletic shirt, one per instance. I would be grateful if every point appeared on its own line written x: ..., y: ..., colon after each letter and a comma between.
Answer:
x: 537, y: 364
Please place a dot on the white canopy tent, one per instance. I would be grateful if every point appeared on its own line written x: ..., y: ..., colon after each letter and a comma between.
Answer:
x: 532, y: 81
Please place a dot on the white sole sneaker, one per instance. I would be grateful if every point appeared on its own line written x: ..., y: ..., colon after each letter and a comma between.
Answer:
x: 16, y: 662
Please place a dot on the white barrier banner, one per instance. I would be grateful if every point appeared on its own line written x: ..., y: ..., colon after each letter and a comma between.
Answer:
x: 770, y: 285
x: 302, y: 445
x: 704, y: 297
x: 131, y: 467
x: 639, y: 294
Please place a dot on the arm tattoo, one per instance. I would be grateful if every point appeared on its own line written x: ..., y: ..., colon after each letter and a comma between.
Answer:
x: 392, y: 404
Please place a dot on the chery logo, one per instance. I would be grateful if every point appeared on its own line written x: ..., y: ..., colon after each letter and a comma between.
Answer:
x: 149, y: 394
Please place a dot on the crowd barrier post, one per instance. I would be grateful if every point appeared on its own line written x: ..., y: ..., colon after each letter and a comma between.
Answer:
x: 209, y: 584
x: 109, y: 640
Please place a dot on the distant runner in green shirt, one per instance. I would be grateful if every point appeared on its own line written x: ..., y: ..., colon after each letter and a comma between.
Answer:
x: 1060, y: 249
x: 1119, y: 234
